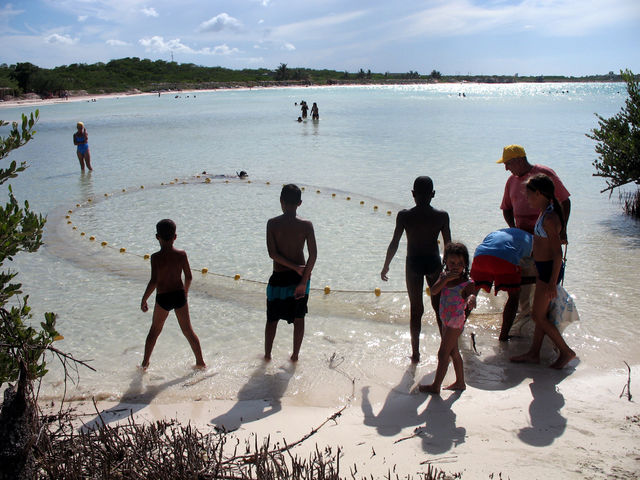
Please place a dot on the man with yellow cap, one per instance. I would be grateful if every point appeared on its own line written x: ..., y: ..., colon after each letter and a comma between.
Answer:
x: 516, y: 210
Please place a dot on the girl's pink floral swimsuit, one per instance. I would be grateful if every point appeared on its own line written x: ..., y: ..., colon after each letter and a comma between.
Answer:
x: 452, y: 305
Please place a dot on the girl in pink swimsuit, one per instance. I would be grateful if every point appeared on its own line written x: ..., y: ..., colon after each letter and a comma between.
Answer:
x: 457, y: 299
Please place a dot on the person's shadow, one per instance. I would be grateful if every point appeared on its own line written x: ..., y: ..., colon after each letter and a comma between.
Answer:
x: 496, y: 372
x: 259, y: 398
x: 547, y: 423
x: 137, y: 397
x: 400, y: 408
x: 440, y: 432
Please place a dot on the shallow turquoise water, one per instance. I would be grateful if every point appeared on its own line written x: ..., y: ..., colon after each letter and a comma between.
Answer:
x: 369, y: 145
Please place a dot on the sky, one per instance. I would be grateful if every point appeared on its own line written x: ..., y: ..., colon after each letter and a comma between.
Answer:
x: 454, y: 37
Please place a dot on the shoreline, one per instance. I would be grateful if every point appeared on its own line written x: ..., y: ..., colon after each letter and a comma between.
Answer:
x: 36, y: 102
x: 551, y: 425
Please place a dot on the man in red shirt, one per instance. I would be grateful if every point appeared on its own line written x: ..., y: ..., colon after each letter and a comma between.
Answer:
x: 516, y: 210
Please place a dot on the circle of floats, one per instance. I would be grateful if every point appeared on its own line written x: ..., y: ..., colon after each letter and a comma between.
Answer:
x: 204, y: 270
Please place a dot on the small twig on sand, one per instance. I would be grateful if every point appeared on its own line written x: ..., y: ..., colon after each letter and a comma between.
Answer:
x: 627, y: 388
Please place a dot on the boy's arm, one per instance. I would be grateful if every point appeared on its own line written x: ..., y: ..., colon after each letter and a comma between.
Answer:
x: 446, y: 230
x: 274, y: 254
x: 311, y: 261
x: 188, y: 276
x: 151, y: 286
x: 393, y: 246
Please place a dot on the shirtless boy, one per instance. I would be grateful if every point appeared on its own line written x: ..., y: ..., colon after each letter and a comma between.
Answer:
x: 422, y: 224
x: 288, y: 288
x: 167, y: 267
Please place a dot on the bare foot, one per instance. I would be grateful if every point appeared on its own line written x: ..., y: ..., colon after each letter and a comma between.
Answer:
x: 526, y: 358
x: 563, y: 359
x: 415, y: 358
x: 143, y: 367
x: 429, y: 389
x: 293, y: 358
x: 200, y: 366
x: 461, y: 386
x: 267, y: 358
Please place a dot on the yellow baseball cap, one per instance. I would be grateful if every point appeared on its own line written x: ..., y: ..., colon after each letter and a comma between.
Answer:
x: 512, y: 151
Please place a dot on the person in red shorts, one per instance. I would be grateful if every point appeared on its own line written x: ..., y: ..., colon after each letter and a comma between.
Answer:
x: 496, y: 262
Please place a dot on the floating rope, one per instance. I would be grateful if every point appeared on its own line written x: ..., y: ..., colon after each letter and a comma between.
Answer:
x: 204, y: 270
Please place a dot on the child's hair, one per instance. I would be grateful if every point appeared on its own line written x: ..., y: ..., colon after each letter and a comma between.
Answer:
x: 166, y: 229
x: 423, y: 185
x: 543, y: 184
x: 291, y: 194
x: 457, y: 248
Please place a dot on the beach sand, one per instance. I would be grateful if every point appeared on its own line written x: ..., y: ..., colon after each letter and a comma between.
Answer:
x: 537, y: 424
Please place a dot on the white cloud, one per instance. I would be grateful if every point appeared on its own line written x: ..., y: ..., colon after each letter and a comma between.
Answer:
x: 82, y: 18
x: 289, y: 47
x: 556, y: 18
x: 116, y: 43
x: 159, y: 45
x: 220, y: 22
x: 8, y: 11
x: 302, y: 29
x: 61, y: 39
x: 150, y: 12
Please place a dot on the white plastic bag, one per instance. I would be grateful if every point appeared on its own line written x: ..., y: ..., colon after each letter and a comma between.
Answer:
x: 562, y: 309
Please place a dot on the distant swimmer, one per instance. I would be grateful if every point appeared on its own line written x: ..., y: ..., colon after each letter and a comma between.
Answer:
x: 304, y: 107
x: 314, y: 112
x: 81, y: 140
x: 299, y: 119
x: 242, y: 174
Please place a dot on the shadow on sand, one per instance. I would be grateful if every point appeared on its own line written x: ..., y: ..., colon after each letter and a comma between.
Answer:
x: 138, y: 396
x: 259, y: 398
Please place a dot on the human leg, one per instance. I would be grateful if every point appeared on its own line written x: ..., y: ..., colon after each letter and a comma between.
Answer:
x: 81, y: 160
x: 187, y: 330
x: 415, y: 283
x: 458, y: 367
x: 509, y: 314
x: 448, y: 344
x: 298, y: 335
x: 269, y: 335
x: 157, y: 323
x: 87, y: 160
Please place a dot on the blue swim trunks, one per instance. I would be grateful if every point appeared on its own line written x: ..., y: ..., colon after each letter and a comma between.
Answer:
x: 281, y: 303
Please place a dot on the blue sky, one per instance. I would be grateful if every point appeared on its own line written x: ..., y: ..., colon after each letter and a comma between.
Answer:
x: 529, y: 37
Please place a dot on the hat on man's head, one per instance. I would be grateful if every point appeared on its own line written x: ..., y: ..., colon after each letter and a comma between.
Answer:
x: 512, y: 151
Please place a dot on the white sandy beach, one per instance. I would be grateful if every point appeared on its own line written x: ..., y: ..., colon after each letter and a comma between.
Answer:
x: 569, y: 424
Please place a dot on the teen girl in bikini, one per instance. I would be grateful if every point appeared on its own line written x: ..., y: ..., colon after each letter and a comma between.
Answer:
x: 547, y: 253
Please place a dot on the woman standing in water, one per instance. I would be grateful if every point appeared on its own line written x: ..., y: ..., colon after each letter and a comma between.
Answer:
x: 81, y: 139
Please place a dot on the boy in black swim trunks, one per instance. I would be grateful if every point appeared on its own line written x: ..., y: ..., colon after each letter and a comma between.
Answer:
x: 422, y: 224
x: 167, y: 267
x: 288, y: 288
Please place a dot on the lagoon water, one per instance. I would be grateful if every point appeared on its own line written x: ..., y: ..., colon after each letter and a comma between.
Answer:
x: 369, y: 145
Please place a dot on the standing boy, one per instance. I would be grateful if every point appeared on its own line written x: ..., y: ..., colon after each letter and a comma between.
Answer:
x: 288, y: 288
x: 167, y: 267
x: 423, y: 224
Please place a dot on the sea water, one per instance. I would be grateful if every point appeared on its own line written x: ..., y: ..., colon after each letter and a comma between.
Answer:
x: 356, y: 165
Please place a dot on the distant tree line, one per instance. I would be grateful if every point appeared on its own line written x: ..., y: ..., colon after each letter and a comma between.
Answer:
x: 128, y: 74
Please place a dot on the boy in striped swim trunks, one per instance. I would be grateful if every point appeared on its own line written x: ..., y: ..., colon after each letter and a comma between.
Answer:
x: 288, y: 288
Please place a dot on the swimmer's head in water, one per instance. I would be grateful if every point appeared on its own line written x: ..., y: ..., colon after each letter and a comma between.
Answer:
x: 166, y: 229
x: 423, y: 186
x: 243, y: 174
x: 291, y: 194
